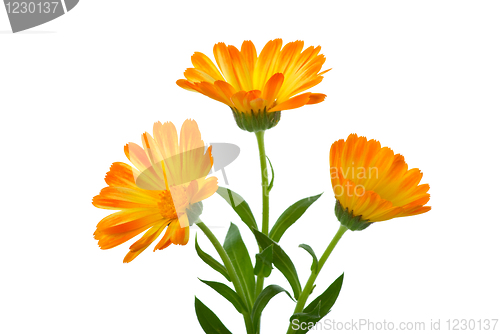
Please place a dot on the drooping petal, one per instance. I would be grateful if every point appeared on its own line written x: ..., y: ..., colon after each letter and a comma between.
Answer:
x: 140, y: 245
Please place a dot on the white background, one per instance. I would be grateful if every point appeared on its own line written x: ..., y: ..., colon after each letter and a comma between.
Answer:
x: 423, y: 77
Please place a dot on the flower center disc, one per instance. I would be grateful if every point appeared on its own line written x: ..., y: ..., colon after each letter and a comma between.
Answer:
x: 171, y: 201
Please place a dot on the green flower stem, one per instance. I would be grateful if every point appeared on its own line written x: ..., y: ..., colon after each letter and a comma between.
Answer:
x: 232, y: 273
x: 265, y: 182
x: 265, y: 199
x: 301, y: 302
x: 265, y: 203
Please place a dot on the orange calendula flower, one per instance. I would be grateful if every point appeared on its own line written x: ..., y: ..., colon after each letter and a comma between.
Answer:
x: 163, y: 192
x: 258, y: 88
x: 372, y: 184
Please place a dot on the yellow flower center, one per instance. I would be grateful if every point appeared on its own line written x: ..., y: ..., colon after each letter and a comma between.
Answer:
x: 171, y: 201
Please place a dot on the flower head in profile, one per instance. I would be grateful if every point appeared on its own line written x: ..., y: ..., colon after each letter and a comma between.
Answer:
x: 372, y: 184
x: 258, y: 87
x: 161, y: 193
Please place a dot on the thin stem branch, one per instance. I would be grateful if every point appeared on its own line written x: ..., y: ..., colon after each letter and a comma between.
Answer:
x: 301, y: 302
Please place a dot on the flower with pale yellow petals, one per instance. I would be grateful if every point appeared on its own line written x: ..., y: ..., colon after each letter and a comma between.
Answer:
x: 163, y: 192
x: 372, y: 184
x: 258, y: 87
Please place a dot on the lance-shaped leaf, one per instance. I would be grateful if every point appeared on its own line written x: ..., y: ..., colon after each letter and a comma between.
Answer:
x: 323, y: 303
x: 308, y: 318
x: 264, y: 262
x: 210, y: 260
x: 239, y: 205
x: 238, y: 254
x: 290, y: 216
x: 262, y: 300
x: 327, y: 298
x: 227, y: 293
x: 210, y: 323
x: 281, y: 261
x: 314, y: 266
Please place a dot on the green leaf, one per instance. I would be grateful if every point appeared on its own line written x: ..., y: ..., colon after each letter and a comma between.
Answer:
x: 281, y: 261
x: 290, y: 216
x: 227, y: 293
x: 309, y: 318
x: 210, y: 260
x: 239, y: 205
x: 210, y: 323
x: 238, y: 254
x: 314, y: 266
x: 319, y: 307
x: 327, y: 298
x: 264, y: 262
x: 270, y: 186
x: 262, y: 300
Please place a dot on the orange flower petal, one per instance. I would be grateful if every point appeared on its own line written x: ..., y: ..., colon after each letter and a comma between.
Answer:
x: 120, y: 175
x: 195, y: 75
x: 225, y: 89
x: 187, y: 85
x: 209, y: 90
x: 272, y: 87
x: 241, y: 71
x: 225, y: 63
x: 206, y: 188
x: 316, y: 98
x: 266, y: 62
x: 203, y: 63
x: 295, y: 102
x: 249, y: 55
x: 147, y: 238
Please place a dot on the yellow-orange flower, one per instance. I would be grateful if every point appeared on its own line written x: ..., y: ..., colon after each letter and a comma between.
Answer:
x: 163, y: 191
x: 249, y: 83
x: 374, y: 184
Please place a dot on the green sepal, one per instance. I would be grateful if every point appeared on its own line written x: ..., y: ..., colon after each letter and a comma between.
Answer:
x: 346, y: 218
x: 264, y: 298
x: 290, y: 216
x: 314, y: 265
x: 210, y: 323
x: 227, y: 293
x: 282, y: 262
x: 255, y: 121
x: 239, y: 205
x: 213, y: 263
x: 264, y: 262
